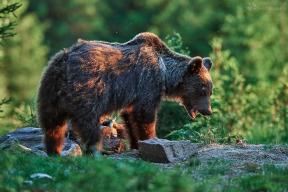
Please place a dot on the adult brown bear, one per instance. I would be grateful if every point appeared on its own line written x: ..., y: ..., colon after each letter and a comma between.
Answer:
x: 95, y: 78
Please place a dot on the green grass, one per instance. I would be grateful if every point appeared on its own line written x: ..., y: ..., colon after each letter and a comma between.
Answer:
x: 85, y: 174
x: 102, y: 174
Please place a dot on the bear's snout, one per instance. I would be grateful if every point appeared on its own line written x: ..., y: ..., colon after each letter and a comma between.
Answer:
x: 205, y: 111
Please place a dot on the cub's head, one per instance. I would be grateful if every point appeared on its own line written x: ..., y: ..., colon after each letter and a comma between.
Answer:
x: 197, y: 87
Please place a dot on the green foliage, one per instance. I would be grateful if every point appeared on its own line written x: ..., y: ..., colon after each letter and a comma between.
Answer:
x: 22, y: 59
x: 194, y: 162
x: 280, y: 106
x: 251, y: 167
x: 240, y: 110
x: 217, y: 167
x: 171, y: 116
x: 103, y: 174
x: 85, y: 174
x: 6, y: 25
x: 176, y: 44
x: 249, y: 57
x: 27, y: 116
x: 171, y: 109
x: 4, y: 101
x: 249, y: 50
x: 121, y: 20
x: 25, y: 48
x: 267, y: 178
x: 6, y: 30
x: 260, y: 48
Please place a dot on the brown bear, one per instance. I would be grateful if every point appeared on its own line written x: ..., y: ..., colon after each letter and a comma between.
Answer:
x: 95, y: 78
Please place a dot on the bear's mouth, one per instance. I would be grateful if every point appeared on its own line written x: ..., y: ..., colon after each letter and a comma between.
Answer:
x: 193, y: 113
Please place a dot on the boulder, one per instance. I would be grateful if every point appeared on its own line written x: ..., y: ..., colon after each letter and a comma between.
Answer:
x: 165, y: 151
x: 30, y: 139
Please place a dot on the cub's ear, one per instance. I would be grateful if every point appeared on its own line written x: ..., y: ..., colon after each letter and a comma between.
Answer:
x: 195, y: 65
x: 207, y: 63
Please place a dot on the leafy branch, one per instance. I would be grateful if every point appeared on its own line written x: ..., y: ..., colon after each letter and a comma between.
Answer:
x: 5, y: 101
x: 5, y: 30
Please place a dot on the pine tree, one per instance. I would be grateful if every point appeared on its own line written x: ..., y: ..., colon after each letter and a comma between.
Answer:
x: 23, y: 58
x: 6, y: 25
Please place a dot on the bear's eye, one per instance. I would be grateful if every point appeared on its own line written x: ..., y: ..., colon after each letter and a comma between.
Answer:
x: 203, y: 92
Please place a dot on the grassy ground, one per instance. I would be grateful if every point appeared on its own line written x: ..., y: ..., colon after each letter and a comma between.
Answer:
x: 103, y: 174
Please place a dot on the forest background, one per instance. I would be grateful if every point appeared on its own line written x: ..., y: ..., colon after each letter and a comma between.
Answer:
x: 247, y: 41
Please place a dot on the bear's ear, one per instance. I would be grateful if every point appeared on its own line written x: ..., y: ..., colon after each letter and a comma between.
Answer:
x: 207, y: 63
x: 195, y: 65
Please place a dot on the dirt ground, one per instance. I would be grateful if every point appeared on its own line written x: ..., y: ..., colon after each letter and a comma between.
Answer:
x: 237, y: 153
x: 239, y: 157
x: 240, y: 153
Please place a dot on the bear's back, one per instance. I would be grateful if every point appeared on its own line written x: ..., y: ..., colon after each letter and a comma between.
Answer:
x: 113, y: 72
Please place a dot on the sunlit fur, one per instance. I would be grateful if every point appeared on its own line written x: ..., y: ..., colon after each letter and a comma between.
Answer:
x: 96, y: 78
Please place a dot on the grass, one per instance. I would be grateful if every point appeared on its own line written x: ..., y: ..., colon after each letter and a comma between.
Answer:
x: 102, y: 174
x: 84, y: 174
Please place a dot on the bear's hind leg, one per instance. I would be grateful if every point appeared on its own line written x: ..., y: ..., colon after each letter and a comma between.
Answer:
x: 53, y: 122
x: 90, y: 134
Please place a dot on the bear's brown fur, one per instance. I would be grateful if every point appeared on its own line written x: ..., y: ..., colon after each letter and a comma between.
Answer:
x: 95, y: 78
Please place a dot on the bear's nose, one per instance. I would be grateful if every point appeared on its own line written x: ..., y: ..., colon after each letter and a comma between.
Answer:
x: 209, y: 112
x: 206, y: 111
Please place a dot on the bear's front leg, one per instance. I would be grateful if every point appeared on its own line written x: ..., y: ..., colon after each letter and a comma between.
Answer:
x: 132, y: 132
x: 145, y: 121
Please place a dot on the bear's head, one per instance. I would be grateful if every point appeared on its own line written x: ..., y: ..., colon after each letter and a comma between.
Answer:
x: 197, y: 87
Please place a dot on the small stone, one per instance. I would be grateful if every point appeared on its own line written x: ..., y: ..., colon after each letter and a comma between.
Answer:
x: 165, y: 151
x: 40, y: 176
x: 28, y: 182
x: 75, y: 150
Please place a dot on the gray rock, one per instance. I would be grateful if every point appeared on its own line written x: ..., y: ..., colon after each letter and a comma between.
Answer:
x: 39, y: 152
x: 40, y: 176
x: 6, y: 142
x: 75, y: 150
x: 28, y: 182
x: 165, y: 151
x: 31, y: 139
